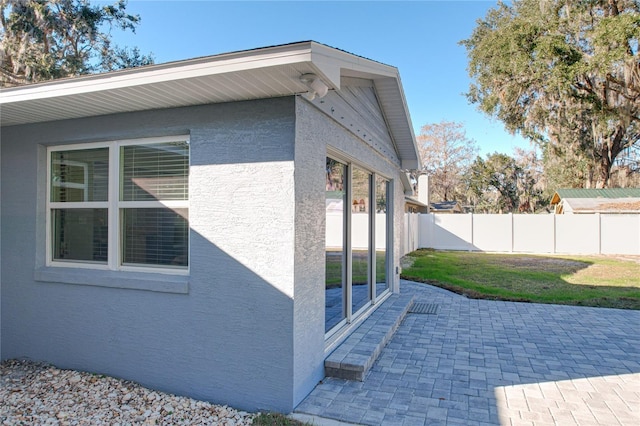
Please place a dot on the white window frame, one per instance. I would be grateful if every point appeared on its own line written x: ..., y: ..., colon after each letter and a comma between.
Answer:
x: 114, y: 208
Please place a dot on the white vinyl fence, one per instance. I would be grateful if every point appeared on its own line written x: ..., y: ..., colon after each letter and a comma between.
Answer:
x: 597, y: 233
x: 360, y: 231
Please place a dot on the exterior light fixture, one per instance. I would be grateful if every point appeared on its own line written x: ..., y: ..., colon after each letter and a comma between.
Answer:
x: 315, y: 85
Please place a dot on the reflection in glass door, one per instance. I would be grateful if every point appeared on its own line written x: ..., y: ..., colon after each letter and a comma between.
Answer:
x: 381, y: 229
x: 335, y: 256
x: 358, y: 247
x: 360, y: 239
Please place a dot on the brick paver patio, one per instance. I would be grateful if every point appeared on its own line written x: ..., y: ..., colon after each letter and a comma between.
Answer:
x: 495, y: 363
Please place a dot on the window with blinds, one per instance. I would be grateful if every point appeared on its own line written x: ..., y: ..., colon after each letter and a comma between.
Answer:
x: 120, y: 204
x: 152, y: 173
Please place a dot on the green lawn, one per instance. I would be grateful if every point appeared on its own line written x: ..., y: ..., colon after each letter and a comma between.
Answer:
x: 603, y: 281
x: 275, y: 419
x: 360, y: 264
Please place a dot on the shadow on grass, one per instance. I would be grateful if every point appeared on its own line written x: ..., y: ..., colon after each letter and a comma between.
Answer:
x: 567, y: 280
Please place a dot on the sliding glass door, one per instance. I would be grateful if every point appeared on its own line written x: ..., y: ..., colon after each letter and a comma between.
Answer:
x: 360, y: 239
x: 381, y: 227
x: 357, y: 230
x: 335, y: 255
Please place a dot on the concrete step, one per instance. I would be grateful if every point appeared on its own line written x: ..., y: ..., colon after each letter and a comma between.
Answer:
x: 356, y: 355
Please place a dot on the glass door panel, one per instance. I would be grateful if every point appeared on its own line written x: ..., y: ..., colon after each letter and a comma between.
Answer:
x: 360, y: 239
x: 335, y: 256
x: 357, y: 250
x: 381, y: 234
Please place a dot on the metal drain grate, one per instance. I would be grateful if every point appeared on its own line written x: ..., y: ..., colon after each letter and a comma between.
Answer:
x: 424, y: 308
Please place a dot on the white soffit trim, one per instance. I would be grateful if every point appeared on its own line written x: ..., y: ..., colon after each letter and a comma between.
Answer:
x: 396, y: 113
x: 327, y: 61
x: 153, y: 74
x: 252, y: 74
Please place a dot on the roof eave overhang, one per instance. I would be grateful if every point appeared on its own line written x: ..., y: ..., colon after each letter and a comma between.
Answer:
x: 396, y: 112
x: 411, y: 200
x: 406, y: 184
x: 238, y: 76
x: 168, y: 72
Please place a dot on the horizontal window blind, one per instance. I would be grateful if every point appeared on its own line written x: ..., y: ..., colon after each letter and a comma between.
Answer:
x: 153, y: 236
x: 155, y: 172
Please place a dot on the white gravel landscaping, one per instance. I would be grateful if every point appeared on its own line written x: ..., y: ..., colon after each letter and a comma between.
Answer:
x: 36, y: 393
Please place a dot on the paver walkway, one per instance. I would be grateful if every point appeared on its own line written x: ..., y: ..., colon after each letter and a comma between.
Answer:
x: 479, y: 362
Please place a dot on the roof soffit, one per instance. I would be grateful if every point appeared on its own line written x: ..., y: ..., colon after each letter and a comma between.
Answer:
x: 396, y: 113
x: 260, y: 73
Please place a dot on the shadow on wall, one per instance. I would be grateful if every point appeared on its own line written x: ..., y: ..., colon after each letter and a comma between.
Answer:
x: 229, y: 340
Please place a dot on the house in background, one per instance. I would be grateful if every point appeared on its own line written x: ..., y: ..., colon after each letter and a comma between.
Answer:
x: 417, y: 196
x: 608, y: 200
x: 413, y: 205
x: 417, y: 200
x: 446, y: 207
x: 183, y: 225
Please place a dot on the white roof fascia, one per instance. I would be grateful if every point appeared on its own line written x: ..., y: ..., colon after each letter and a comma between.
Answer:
x: 401, y: 126
x: 154, y: 74
x: 406, y: 184
x: 328, y: 60
x: 417, y: 163
x: 329, y: 63
x: 348, y: 65
x: 356, y: 66
x: 414, y: 201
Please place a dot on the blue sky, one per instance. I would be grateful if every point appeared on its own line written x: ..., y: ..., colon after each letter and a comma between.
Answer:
x: 420, y: 38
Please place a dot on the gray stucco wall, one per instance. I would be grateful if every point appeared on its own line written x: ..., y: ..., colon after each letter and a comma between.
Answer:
x: 313, y: 125
x: 315, y: 133
x: 226, y: 335
x: 0, y: 248
x: 308, y: 337
x: 246, y: 327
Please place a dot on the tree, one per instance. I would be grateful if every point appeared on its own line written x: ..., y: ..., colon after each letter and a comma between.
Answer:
x: 626, y: 172
x: 502, y: 184
x: 566, y: 166
x: 565, y: 73
x: 532, y: 184
x: 43, y: 40
x: 446, y: 155
x: 493, y: 184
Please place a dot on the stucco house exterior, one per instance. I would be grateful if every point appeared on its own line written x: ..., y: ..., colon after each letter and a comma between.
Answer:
x: 211, y: 227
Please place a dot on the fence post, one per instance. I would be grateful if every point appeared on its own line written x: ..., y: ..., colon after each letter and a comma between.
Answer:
x: 471, y: 239
x: 555, y: 236
x: 431, y: 229
x: 599, y: 232
x: 405, y: 234
x: 511, y: 217
x: 416, y: 233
